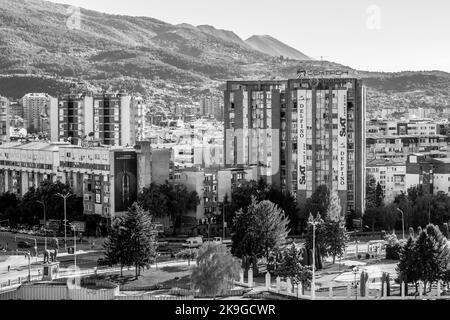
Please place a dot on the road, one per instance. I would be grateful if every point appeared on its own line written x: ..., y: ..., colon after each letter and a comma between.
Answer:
x: 8, y: 239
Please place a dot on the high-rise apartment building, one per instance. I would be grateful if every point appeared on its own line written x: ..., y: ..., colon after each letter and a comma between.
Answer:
x: 301, y: 133
x: 111, y: 119
x: 36, y: 109
x: 4, y: 119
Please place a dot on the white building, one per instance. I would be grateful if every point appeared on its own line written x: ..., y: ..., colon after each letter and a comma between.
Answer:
x: 4, y: 120
x: 390, y: 174
x: 36, y: 111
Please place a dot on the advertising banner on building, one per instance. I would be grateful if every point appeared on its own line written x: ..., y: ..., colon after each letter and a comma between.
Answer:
x: 342, y: 139
x: 125, y: 180
x: 301, y: 138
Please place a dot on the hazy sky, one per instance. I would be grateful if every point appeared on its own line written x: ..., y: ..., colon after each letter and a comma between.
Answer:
x: 378, y: 35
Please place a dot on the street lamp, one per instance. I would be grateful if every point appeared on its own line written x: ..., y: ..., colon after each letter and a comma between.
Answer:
x: 314, y: 222
x: 45, y: 224
x: 65, y: 196
x: 356, y: 271
x: 403, y: 222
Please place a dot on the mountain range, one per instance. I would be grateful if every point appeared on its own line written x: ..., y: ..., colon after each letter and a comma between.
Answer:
x: 40, y: 48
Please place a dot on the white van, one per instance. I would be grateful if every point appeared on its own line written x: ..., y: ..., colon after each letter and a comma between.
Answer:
x: 193, y: 242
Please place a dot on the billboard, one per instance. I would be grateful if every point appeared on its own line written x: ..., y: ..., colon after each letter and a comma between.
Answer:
x: 125, y: 180
x: 301, y: 138
x: 342, y: 139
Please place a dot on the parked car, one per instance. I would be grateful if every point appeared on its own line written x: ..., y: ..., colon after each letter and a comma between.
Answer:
x: 24, y: 244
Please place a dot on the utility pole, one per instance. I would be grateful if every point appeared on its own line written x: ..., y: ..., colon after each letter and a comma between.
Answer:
x: 65, y: 196
x: 314, y: 222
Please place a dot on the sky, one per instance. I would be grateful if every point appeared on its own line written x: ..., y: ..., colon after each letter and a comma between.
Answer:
x: 375, y: 35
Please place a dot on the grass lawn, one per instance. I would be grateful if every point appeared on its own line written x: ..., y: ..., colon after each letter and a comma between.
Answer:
x: 166, y: 277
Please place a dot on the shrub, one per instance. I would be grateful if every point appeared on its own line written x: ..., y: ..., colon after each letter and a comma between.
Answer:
x: 359, y: 256
x: 393, y: 247
x: 367, y: 256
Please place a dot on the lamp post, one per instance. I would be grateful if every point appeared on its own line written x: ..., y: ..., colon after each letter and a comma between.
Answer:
x: 314, y: 222
x: 45, y: 224
x: 403, y: 222
x: 355, y: 271
x: 65, y: 196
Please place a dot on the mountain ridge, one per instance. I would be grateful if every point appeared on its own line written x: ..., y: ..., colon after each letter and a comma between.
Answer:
x: 168, y: 64
x: 274, y: 47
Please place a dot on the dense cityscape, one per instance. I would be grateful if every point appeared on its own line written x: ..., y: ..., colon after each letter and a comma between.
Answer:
x: 292, y: 187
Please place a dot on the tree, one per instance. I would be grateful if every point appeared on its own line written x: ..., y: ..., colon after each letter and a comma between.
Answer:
x: 154, y: 200
x: 9, y: 203
x: 168, y: 199
x: 320, y: 242
x: 319, y: 201
x: 187, y: 254
x: 430, y: 256
x: 407, y: 266
x: 132, y: 240
x: 260, y: 229
x: 242, y: 197
x: 31, y: 211
x: 379, y: 196
x: 115, y: 245
x: 215, y: 270
x: 371, y: 196
x: 334, y: 234
x: 290, y: 266
x: 141, y: 244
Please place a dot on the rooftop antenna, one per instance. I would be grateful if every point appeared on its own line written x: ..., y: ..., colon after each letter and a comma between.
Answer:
x: 321, y: 58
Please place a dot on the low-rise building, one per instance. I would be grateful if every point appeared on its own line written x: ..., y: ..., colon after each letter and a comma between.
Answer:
x: 400, y: 146
x: 433, y: 175
x: 26, y: 165
x: 390, y: 174
x: 211, y: 185
x: 4, y: 119
x: 108, y: 178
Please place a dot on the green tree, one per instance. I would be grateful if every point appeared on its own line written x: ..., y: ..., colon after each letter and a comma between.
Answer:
x: 260, y: 229
x: 215, y: 271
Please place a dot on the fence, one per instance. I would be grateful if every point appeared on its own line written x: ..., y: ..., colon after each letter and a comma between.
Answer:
x: 346, y: 291
x: 147, y: 296
x: 187, y: 292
